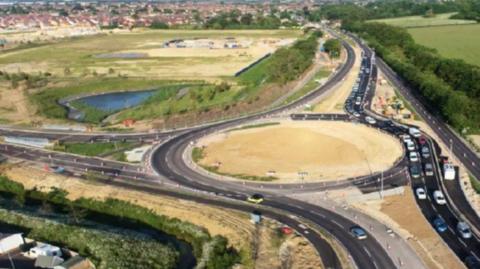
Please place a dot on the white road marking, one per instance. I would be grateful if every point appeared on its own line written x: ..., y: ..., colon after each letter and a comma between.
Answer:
x: 340, y: 225
x: 368, y: 252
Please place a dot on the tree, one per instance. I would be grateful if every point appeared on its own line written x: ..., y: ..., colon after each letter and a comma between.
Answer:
x: 158, y: 25
x: 333, y: 47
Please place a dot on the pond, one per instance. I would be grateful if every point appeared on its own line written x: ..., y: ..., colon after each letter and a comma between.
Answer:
x: 117, y: 101
x: 105, y: 103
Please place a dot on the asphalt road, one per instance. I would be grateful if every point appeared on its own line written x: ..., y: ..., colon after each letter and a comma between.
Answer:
x: 168, y: 161
x: 457, y: 208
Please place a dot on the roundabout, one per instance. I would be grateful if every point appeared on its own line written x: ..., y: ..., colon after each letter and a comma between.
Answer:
x: 320, y: 151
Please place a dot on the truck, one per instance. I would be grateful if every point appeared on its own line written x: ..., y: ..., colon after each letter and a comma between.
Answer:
x: 415, y: 132
x: 448, y: 171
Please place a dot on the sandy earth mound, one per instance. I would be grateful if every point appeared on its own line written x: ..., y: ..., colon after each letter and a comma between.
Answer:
x: 326, y: 150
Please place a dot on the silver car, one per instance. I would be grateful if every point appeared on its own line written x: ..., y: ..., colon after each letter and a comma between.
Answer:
x: 464, y: 230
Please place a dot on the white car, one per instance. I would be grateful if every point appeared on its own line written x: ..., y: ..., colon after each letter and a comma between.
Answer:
x: 410, y: 145
x: 356, y: 114
x: 421, y: 194
x: 370, y: 120
x: 439, y: 198
x: 413, y: 156
x: 406, y: 138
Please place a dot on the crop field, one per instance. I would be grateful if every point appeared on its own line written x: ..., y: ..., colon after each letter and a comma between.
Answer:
x: 457, y: 41
x: 141, y: 53
x: 420, y: 21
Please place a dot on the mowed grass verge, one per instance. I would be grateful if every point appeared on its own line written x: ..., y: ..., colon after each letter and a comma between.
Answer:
x: 420, y: 21
x: 456, y: 41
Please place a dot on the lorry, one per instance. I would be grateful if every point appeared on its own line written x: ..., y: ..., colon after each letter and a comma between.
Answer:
x: 448, y: 171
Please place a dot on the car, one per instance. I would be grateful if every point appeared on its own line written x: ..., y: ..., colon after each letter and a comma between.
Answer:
x: 472, y: 262
x: 464, y: 230
x: 428, y: 169
x: 406, y: 138
x: 358, y: 101
x: 410, y: 145
x: 358, y: 232
x: 413, y: 156
x: 421, y: 194
x: 356, y: 114
x: 414, y: 171
x: 425, y: 152
x: 415, y: 132
x: 255, y: 198
x: 440, y: 224
x: 370, y: 120
x: 422, y: 140
x: 439, y: 198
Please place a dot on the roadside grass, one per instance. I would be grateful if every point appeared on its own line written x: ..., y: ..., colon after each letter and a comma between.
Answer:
x: 214, y: 169
x: 475, y: 183
x: 92, y: 149
x: 420, y: 21
x: 456, y: 42
x: 199, y: 98
x: 310, y: 86
x: 259, y: 125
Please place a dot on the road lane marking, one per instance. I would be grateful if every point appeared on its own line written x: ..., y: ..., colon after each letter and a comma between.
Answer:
x: 368, y: 252
x: 340, y: 225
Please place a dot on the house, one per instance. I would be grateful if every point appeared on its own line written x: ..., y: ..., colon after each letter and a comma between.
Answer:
x: 76, y: 262
x: 44, y: 250
x: 9, y: 242
x: 47, y: 261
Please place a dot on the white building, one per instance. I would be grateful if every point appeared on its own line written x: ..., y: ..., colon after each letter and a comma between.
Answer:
x: 9, y: 242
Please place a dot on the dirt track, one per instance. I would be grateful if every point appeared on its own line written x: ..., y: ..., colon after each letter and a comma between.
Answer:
x: 326, y: 150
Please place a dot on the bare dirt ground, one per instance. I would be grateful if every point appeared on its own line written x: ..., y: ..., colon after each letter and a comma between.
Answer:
x: 234, y: 225
x: 388, y: 90
x: 326, y: 150
x: 333, y: 103
x: 14, y: 106
x: 402, y: 214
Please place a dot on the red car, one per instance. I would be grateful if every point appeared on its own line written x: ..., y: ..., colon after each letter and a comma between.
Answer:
x: 422, y: 140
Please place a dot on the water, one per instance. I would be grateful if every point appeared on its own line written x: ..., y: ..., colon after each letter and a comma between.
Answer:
x: 117, y: 101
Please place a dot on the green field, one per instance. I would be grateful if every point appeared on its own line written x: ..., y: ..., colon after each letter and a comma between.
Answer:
x: 459, y: 41
x: 420, y: 21
x: 73, y: 66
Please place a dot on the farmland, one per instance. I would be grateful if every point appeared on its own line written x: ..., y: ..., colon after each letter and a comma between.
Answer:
x: 459, y: 41
x: 420, y: 21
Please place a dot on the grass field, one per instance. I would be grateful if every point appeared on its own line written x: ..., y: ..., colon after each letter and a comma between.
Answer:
x: 420, y: 21
x: 80, y: 55
x: 104, y: 63
x: 457, y: 41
